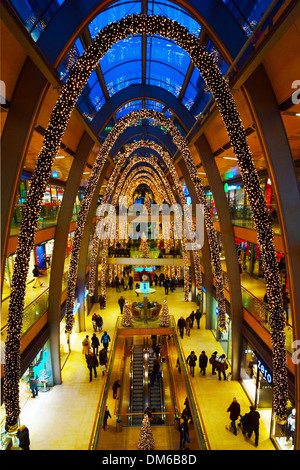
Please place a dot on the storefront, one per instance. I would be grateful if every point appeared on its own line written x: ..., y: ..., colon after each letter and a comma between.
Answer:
x: 8, y: 273
x: 257, y: 381
x: 224, y: 338
x: 39, y: 370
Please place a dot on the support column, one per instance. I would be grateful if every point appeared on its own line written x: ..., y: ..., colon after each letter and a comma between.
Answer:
x: 233, y: 273
x: 58, y: 260
x: 206, y: 258
x: 19, y: 122
x: 281, y: 168
x: 84, y: 249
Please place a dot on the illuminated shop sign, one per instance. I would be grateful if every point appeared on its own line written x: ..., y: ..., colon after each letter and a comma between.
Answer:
x: 265, y: 372
x: 231, y: 187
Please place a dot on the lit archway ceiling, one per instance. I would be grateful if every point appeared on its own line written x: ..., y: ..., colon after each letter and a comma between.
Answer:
x: 142, y: 59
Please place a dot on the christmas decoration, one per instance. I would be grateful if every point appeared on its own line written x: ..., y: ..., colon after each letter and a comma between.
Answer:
x: 165, y: 316
x: 126, y: 316
x: 144, y: 247
x: 218, y: 86
x: 146, y: 441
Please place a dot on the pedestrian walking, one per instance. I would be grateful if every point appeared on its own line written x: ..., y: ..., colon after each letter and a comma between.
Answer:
x: 86, y: 346
x: 102, y: 301
x: 117, y: 281
x: 106, y: 416
x: 33, y: 384
x: 188, y: 326
x: 36, y: 274
x: 191, y: 360
x: 23, y: 436
x: 212, y: 361
x: 92, y: 364
x: 198, y: 316
x: 286, y: 301
x: 203, y: 360
x: 105, y: 339
x: 221, y: 366
x: 184, y: 435
x: 252, y: 420
x: 180, y: 326
x: 192, y: 317
x: 99, y: 322
x: 121, y: 303
x: 116, y: 385
x: 94, y: 322
x: 103, y: 359
x: 95, y: 344
x: 235, y: 411
x: 166, y: 286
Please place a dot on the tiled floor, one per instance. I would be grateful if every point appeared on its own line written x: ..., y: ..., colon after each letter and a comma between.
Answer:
x: 63, y: 417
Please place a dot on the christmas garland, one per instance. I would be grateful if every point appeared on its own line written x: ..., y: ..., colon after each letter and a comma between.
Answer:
x: 132, y: 25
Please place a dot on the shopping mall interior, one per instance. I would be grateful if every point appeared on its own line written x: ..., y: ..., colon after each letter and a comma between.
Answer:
x: 150, y: 165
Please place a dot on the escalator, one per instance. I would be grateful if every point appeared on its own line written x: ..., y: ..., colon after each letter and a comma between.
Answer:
x: 155, y: 391
x: 137, y: 402
x: 143, y: 394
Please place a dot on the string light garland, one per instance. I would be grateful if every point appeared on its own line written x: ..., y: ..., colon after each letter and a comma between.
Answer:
x: 111, y: 185
x: 128, y: 26
x: 109, y: 191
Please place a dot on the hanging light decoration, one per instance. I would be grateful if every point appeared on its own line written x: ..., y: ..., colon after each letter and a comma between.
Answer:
x: 132, y: 25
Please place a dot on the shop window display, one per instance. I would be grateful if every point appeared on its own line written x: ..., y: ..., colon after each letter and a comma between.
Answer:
x: 40, y: 371
x: 256, y: 379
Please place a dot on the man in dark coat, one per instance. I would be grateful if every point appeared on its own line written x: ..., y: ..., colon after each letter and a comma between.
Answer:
x: 252, y: 420
x: 203, y: 359
x: 191, y: 360
x: 235, y: 411
x: 92, y: 363
x: 116, y: 385
x: 181, y: 325
x: 121, y: 303
x: 23, y: 436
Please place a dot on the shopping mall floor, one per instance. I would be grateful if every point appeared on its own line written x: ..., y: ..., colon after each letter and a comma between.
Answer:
x: 63, y: 418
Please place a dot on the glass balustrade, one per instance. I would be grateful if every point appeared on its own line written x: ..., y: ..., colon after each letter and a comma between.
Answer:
x: 48, y: 217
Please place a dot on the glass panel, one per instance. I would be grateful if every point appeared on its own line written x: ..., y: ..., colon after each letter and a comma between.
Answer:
x: 107, y: 130
x: 36, y: 14
x: 75, y: 52
x: 162, y: 50
x: 249, y: 13
x: 155, y: 105
x: 128, y: 108
x: 165, y: 77
x: 123, y: 76
x: 175, y: 13
x: 91, y: 99
x: 129, y: 49
x: 116, y: 12
x: 197, y: 95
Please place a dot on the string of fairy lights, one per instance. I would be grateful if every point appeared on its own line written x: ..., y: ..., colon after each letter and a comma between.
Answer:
x: 218, y: 86
x: 111, y: 184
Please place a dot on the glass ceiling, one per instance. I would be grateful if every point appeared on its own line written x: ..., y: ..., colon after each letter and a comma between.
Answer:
x: 166, y: 66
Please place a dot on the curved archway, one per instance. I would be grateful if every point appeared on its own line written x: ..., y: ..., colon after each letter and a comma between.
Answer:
x: 121, y: 186
x: 142, y: 24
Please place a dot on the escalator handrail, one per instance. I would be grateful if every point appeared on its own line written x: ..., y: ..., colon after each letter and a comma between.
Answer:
x: 196, y: 412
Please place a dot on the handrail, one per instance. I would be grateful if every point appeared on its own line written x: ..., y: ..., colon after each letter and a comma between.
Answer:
x: 103, y: 395
x: 131, y: 374
x: 172, y: 382
x: 197, y: 415
x: 146, y: 373
x: 117, y: 404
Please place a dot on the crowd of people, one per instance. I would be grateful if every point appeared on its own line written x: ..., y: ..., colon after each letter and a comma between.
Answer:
x: 90, y: 349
